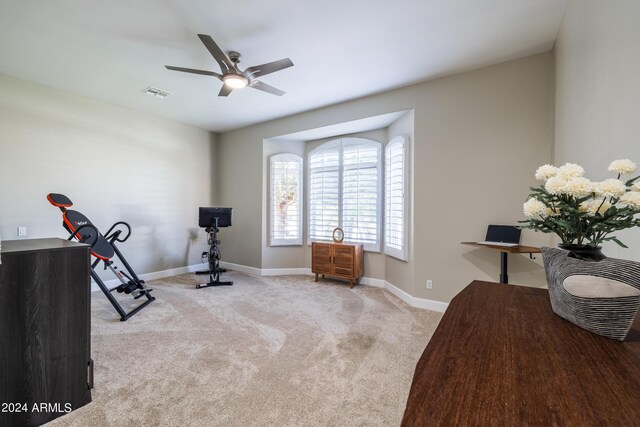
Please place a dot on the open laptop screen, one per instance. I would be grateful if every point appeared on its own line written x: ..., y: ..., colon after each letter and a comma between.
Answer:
x: 503, y: 233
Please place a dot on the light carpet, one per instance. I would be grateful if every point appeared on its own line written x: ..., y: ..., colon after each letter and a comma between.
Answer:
x: 266, y: 351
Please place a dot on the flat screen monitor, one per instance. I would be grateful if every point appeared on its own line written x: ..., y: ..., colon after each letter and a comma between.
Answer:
x: 503, y: 234
x: 208, y: 217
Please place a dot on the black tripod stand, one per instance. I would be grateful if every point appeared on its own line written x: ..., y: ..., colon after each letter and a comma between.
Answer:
x: 214, y: 259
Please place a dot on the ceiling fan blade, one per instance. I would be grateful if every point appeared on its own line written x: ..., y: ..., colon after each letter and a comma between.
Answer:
x: 194, y: 71
x: 268, y: 68
x: 225, y: 90
x: 266, y: 88
x: 217, y: 53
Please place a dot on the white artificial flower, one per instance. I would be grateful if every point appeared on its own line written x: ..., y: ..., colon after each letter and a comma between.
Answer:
x: 533, y: 208
x: 578, y: 187
x: 595, y: 205
x: 570, y: 170
x: 622, y: 166
x: 545, y: 172
x: 585, y: 206
x: 610, y: 188
x: 601, y: 208
x: 551, y: 212
x: 555, y: 185
x: 631, y: 199
x: 635, y: 187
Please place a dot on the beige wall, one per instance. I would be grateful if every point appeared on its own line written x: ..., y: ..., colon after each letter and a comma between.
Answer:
x: 113, y: 163
x: 240, y: 171
x: 478, y: 138
x: 598, y: 92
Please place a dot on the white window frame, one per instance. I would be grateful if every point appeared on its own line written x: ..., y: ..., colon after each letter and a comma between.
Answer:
x: 369, y: 247
x: 288, y: 157
x: 402, y: 253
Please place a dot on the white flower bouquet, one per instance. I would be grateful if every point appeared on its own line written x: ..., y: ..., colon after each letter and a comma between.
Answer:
x: 579, y: 211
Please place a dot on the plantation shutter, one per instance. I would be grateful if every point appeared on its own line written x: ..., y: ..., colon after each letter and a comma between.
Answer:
x: 324, y: 191
x: 361, y: 192
x: 285, y: 200
x: 345, y: 190
x: 395, y: 236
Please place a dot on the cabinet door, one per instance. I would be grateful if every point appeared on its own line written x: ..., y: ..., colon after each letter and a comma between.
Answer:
x: 343, y: 260
x: 322, y: 254
x: 45, y: 325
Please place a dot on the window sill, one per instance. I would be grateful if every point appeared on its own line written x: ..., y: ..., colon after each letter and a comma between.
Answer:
x: 284, y: 245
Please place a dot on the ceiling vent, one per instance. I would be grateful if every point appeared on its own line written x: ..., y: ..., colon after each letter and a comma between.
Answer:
x: 154, y: 91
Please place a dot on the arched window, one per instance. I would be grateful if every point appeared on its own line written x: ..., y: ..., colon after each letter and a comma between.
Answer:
x: 285, y: 208
x: 345, y: 190
x: 395, y: 198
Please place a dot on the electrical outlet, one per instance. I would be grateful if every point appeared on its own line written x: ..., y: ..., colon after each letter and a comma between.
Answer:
x: 429, y: 284
x: 22, y: 231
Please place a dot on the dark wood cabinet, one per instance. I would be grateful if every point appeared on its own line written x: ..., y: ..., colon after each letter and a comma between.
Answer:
x: 44, y: 330
x: 342, y: 260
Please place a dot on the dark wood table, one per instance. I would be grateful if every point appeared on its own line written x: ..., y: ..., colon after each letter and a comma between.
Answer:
x: 501, y: 357
x: 504, y: 254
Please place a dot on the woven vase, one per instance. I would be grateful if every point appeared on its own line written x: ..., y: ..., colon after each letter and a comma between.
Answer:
x: 602, y: 297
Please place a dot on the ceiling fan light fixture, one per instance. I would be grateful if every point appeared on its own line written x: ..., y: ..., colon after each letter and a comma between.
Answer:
x: 232, y: 77
x: 235, y: 81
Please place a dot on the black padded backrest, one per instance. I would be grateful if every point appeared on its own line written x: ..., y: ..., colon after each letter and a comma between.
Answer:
x: 73, y: 220
x: 59, y: 200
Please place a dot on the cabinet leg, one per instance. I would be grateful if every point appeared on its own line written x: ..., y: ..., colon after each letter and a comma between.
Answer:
x: 316, y: 277
x: 323, y: 276
x: 351, y: 283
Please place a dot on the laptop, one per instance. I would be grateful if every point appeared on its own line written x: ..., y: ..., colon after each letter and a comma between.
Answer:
x: 502, y: 235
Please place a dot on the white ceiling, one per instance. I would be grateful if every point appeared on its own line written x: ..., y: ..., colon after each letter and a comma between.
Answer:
x: 342, y: 49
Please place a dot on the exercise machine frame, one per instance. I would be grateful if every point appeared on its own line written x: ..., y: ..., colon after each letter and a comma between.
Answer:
x: 214, y: 258
x: 212, y: 219
x: 130, y: 283
x: 141, y: 288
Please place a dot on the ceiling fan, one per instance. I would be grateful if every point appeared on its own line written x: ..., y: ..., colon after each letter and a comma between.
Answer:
x: 232, y: 76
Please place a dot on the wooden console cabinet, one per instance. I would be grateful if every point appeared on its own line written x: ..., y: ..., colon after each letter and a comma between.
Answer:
x: 341, y: 260
x: 45, y: 330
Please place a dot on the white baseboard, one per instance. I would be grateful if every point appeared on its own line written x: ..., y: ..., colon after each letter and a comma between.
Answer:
x: 378, y: 283
x: 265, y: 271
x: 424, y: 303
x: 241, y: 268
